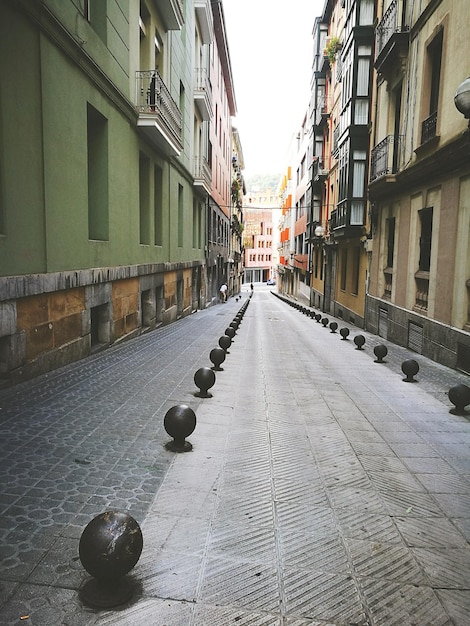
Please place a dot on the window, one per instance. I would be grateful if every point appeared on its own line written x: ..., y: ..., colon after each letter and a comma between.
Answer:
x: 361, y: 107
x: 180, y: 215
x: 425, y: 217
x: 366, y: 12
x: 432, y: 81
x: 435, y: 56
x: 182, y: 109
x: 358, y: 187
x: 97, y: 162
x: 144, y: 199
x: 158, y: 53
x: 95, y: 12
x: 344, y: 268
x: 197, y: 223
x: 158, y: 205
x: 356, y: 264
x: 390, y: 240
x: 396, y: 128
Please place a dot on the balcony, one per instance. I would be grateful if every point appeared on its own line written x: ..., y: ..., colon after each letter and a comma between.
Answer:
x: 320, y: 172
x: 392, y: 40
x: 322, y: 111
x: 429, y: 128
x: 384, y: 158
x: 347, y: 220
x: 172, y: 13
x: 205, y: 21
x: 159, y: 118
x: 202, y: 174
x: 203, y: 93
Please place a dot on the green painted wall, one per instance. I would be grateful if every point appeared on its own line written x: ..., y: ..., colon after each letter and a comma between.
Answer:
x: 22, y: 243
x: 44, y: 150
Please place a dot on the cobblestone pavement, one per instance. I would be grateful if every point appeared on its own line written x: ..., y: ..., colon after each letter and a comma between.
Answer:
x: 321, y: 488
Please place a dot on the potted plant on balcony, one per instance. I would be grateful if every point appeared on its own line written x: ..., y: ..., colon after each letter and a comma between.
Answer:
x: 333, y: 46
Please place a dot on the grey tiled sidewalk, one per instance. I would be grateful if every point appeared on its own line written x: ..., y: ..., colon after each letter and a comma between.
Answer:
x: 322, y: 489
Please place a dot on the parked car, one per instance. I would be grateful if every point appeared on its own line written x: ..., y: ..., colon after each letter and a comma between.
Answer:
x: 271, y: 281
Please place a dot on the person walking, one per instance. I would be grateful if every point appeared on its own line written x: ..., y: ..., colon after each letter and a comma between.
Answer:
x: 223, y: 292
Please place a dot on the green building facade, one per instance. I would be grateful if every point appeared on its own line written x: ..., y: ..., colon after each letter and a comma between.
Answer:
x: 103, y: 125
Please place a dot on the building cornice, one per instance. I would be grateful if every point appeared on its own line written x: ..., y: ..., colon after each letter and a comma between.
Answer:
x: 224, y: 54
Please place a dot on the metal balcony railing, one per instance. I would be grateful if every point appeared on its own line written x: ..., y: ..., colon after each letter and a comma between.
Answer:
x: 202, y: 171
x: 202, y: 80
x: 384, y: 157
x: 388, y: 25
x: 154, y: 99
x: 429, y: 128
x: 322, y: 109
x: 203, y: 92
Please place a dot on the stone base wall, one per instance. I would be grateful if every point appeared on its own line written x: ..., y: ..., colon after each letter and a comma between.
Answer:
x: 440, y: 342
x: 47, y: 321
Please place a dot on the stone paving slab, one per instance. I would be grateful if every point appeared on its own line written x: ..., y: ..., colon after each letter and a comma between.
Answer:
x: 321, y: 489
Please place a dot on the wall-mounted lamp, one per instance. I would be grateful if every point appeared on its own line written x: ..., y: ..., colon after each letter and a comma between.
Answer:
x: 319, y: 231
x: 462, y: 99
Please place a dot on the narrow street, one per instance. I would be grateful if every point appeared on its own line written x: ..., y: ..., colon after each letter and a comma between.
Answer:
x: 321, y: 488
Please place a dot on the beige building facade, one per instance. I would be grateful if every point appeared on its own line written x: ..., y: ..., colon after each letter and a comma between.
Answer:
x: 419, y: 189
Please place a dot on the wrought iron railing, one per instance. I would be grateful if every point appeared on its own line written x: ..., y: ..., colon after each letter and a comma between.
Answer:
x: 322, y: 109
x: 388, y: 25
x: 429, y: 128
x: 202, y: 170
x: 154, y: 98
x: 384, y: 157
x: 202, y: 80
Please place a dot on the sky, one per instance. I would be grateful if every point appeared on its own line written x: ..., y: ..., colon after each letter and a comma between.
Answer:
x: 271, y: 52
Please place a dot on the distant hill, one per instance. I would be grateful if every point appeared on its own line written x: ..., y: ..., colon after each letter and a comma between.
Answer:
x: 262, y: 182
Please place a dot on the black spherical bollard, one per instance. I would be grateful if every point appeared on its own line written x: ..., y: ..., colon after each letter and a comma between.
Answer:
x: 225, y: 342
x: 234, y: 324
x: 344, y: 332
x: 230, y: 332
x: 380, y: 352
x: 179, y: 422
x: 204, y: 379
x: 109, y: 547
x: 359, y: 340
x: 318, y: 317
x: 325, y: 321
x: 217, y: 357
x: 410, y: 368
x: 333, y: 327
x: 460, y: 397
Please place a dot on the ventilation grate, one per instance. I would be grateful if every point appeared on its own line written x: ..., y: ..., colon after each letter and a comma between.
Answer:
x: 383, y: 323
x: 415, y: 337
